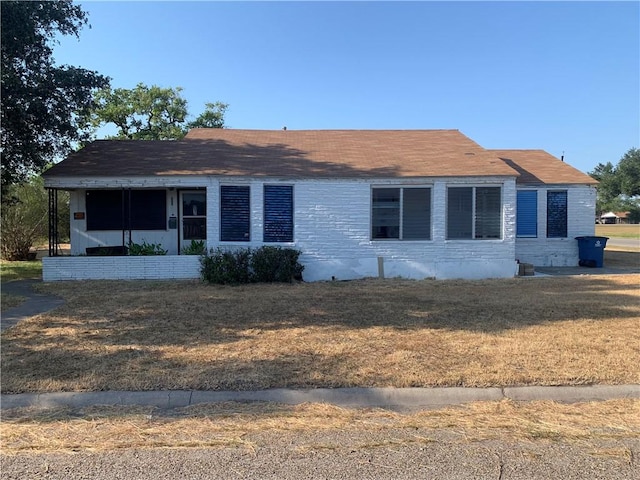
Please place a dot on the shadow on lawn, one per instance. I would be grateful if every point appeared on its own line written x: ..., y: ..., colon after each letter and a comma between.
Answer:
x: 108, y: 331
x: 188, y: 314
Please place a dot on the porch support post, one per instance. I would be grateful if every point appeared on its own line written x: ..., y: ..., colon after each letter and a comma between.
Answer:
x: 122, y: 222
x: 53, y: 222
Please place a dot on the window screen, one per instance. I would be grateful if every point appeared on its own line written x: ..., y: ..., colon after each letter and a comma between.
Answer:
x: 401, y: 213
x: 474, y: 212
x: 416, y: 213
x: 278, y: 213
x: 385, y: 222
x: 488, y: 208
x: 459, y: 212
x: 557, y: 214
x: 234, y: 213
x: 126, y: 209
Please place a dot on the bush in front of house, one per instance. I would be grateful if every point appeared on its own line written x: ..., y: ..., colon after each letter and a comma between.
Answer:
x: 265, y: 264
x: 226, y: 267
x: 196, y: 247
x: 146, y: 249
x: 275, y: 264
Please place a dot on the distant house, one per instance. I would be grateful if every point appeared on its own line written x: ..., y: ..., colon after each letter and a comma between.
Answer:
x: 356, y: 203
x: 615, y: 218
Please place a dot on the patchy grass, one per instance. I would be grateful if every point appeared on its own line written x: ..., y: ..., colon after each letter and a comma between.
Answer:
x: 10, y: 301
x: 618, y: 231
x: 620, y: 258
x: 20, y: 270
x: 245, y: 424
x: 187, y: 335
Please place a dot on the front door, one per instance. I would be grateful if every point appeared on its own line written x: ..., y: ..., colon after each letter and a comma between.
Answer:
x: 193, y: 215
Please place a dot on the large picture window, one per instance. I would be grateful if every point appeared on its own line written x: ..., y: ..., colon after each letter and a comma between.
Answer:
x: 401, y: 213
x: 235, y: 213
x: 126, y: 209
x: 278, y: 213
x: 557, y: 214
x: 474, y: 213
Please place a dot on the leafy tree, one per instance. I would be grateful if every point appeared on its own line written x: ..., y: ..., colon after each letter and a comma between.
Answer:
x: 608, y: 189
x: 142, y: 113
x: 212, y: 117
x: 151, y: 113
x: 42, y: 105
x: 620, y: 184
x: 628, y: 173
x: 25, y: 217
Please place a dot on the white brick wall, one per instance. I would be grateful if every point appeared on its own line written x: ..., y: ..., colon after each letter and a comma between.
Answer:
x: 332, y: 228
x: 120, y: 268
x: 560, y: 252
x: 333, y: 225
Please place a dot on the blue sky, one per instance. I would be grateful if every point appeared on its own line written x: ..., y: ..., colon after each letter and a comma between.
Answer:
x: 559, y: 76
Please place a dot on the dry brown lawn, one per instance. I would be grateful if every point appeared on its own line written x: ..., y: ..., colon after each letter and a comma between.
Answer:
x: 619, y: 231
x: 242, y: 425
x: 187, y: 335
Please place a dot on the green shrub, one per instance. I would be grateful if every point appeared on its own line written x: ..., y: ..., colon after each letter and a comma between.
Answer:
x: 226, y: 267
x: 146, y: 249
x: 275, y: 264
x: 266, y: 264
x: 196, y: 247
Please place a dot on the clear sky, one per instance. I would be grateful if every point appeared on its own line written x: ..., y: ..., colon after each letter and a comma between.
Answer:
x: 559, y: 76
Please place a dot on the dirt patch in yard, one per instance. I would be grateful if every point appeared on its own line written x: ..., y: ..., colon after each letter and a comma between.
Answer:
x: 187, y: 335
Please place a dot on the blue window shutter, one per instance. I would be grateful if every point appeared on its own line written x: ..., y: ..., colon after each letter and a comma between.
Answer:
x: 278, y: 213
x: 527, y: 214
x: 557, y: 214
x: 235, y: 213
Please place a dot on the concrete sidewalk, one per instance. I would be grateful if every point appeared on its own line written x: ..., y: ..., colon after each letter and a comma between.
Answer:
x: 35, y: 303
x: 389, y: 398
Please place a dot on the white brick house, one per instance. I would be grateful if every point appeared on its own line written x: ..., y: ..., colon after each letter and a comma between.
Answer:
x: 414, y: 204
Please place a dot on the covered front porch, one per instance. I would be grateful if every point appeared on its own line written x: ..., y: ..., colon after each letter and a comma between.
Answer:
x: 109, y: 221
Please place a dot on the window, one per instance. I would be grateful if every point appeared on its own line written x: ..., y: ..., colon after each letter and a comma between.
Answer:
x: 126, y: 209
x: 234, y: 213
x: 401, y: 213
x: 527, y: 214
x: 278, y: 213
x: 474, y: 213
x: 557, y: 214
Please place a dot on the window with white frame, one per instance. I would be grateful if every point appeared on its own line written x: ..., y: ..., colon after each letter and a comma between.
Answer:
x: 401, y: 213
x: 474, y: 213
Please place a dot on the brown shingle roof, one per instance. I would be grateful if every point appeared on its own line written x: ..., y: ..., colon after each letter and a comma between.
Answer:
x: 290, y: 153
x: 540, y: 167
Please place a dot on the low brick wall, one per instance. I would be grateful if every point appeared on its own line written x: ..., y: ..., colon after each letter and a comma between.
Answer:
x: 121, y: 268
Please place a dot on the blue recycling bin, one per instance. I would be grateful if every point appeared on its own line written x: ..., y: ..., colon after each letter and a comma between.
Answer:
x: 591, y: 251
